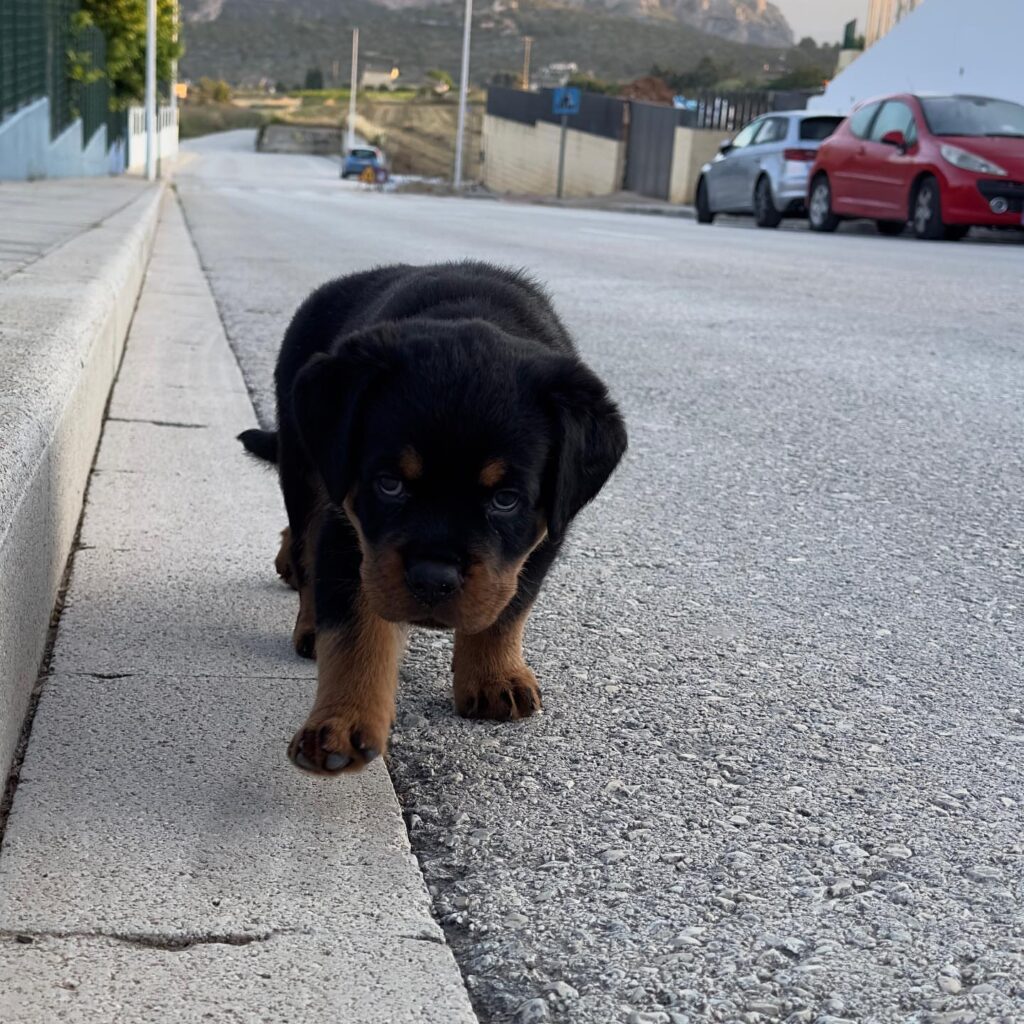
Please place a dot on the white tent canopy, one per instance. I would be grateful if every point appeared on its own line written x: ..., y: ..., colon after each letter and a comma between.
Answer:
x: 945, y: 46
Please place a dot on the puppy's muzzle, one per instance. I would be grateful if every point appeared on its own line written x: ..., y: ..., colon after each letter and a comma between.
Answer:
x: 431, y: 583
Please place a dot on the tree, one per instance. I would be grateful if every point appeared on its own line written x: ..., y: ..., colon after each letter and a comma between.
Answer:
x: 213, y: 90
x: 506, y: 79
x: 314, y: 79
x: 706, y: 74
x: 440, y: 77
x: 123, y: 24
x: 590, y: 84
x: 807, y: 44
x: 803, y: 78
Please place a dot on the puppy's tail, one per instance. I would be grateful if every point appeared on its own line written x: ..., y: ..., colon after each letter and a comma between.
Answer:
x: 261, y: 443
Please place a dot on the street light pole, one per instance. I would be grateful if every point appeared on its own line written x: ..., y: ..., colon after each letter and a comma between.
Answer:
x: 351, y: 134
x: 463, y: 91
x: 527, y: 46
x: 150, y: 90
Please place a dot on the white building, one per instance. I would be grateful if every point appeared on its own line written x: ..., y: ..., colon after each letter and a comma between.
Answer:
x: 944, y: 46
x: 883, y: 16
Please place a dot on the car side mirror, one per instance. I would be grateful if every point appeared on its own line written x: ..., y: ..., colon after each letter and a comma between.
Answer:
x: 725, y: 146
x: 897, y: 139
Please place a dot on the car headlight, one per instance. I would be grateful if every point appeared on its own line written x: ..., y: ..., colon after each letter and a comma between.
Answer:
x: 967, y: 161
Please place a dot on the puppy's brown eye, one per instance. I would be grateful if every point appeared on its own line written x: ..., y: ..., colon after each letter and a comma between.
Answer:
x: 390, y: 486
x: 504, y: 501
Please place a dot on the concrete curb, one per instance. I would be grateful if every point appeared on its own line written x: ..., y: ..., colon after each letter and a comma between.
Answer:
x: 63, y: 323
x: 646, y: 209
x: 163, y: 861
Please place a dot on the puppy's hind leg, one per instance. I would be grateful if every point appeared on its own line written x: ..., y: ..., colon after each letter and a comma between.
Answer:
x: 283, y: 560
x: 301, y: 501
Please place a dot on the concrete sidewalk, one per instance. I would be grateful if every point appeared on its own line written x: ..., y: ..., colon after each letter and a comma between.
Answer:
x: 72, y: 258
x: 163, y: 861
x: 37, y: 216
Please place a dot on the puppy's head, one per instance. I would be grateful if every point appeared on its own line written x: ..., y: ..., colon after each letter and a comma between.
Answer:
x: 455, y: 451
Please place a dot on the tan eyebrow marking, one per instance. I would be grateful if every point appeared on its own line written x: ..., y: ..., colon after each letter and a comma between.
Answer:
x: 492, y: 472
x: 410, y: 463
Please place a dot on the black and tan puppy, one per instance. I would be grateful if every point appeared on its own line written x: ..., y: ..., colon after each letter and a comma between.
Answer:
x: 437, y: 432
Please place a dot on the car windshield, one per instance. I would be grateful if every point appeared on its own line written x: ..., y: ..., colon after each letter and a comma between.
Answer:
x: 817, y: 129
x: 363, y: 154
x: 973, y: 115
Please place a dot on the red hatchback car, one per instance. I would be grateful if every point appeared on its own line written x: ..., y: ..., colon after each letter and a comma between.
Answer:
x: 944, y: 163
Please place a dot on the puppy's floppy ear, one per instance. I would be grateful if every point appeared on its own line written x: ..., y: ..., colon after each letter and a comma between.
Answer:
x: 326, y: 400
x: 589, y: 440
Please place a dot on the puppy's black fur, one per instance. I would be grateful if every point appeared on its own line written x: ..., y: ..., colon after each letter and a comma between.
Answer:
x: 437, y: 433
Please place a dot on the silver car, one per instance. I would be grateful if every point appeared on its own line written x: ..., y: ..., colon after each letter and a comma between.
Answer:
x: 763, y: 170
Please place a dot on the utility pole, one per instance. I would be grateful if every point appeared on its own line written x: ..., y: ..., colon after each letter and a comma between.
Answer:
x: 527, y: 46
x: 173, y: 98
x: 463, y: 91
x: 351, y: 134
x: 150, y: 90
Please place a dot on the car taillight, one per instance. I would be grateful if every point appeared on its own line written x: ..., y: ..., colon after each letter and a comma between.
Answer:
x: 805, y: 155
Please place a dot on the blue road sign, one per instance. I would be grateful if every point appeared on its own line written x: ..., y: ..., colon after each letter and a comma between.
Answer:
x: 566, y: 101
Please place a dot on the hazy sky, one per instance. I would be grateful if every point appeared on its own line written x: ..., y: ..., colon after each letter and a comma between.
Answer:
x: 823, y: 19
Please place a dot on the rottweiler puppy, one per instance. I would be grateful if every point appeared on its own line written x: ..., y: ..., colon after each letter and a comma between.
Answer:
x: 437, y: 433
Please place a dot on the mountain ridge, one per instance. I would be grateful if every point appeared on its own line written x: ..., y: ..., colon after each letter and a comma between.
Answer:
x: 246, y: 41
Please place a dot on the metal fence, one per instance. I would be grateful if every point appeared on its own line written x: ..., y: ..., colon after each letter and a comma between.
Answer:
x: 23, y: 53
x: 599, y: 115
x: 39, y: 45
x: 652, y: 136
x: 729, y: 111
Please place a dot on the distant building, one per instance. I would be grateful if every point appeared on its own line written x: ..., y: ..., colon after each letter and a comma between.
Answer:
x: 557, y: 74
x: 377, y: 78
x: 883, y: 15
x: 941, y: 49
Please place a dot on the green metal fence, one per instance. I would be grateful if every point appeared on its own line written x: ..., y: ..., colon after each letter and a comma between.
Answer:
x: 39, y: 46
x: 23, y: 52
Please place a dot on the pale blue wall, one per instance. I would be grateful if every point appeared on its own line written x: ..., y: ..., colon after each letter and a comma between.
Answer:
x: 27, y: 151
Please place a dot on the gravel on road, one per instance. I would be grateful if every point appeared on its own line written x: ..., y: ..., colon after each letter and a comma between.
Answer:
x: 779, y: 773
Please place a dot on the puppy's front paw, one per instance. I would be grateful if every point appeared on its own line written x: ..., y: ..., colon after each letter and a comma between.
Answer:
x: 508, y: 695
x: 337, y: 741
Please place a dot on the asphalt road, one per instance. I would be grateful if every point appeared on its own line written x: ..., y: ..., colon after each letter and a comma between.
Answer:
x: 779, y: 776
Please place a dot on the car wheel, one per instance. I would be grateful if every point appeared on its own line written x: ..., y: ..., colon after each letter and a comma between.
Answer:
x: 704, y: 212
x: 765, y: 212
x: 890, y: 228
x: 819, y: 209
x: 927, y: 211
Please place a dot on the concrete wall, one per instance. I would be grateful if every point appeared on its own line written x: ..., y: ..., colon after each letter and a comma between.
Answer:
x: 320, y: 140
x: 166, y: 137
x: 523, y: 159
x: 693, y: 148
x: 27, y: 151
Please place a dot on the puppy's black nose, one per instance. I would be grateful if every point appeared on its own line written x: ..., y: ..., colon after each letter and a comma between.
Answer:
x: 432, y: 582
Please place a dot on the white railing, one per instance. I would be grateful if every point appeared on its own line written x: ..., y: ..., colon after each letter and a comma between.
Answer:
x: 166, y: 137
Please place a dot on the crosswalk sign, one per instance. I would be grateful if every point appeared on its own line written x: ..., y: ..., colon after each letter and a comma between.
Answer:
x: 566, y: 101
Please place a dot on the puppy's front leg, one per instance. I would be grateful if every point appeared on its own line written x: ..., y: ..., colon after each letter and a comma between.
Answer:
x: 491, y: 678
x: 358, y: 654
x: 357, y: 675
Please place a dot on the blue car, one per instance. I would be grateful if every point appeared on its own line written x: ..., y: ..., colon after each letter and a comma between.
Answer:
x: 357, y: 160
